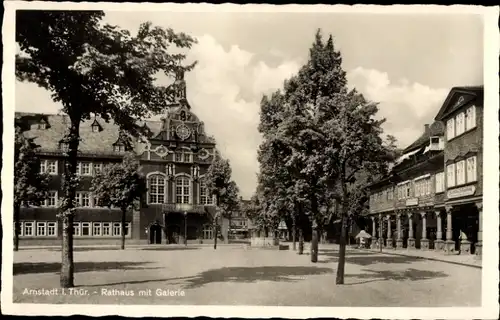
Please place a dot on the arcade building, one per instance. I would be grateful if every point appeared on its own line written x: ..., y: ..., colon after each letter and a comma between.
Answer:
x: 174, y: 160
x: 432, y: 198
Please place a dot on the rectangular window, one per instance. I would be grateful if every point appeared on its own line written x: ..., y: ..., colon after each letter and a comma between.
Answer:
x: 471, y: 169
x: 408, y: 190
x: 51, y: 200
x: 439, y: 182
x: 83, y: 199
x: 460, y: 167
x: 178, y: 157
x: 470, y: 116
x: 77, y: 231
x: 41, y: 229
x: 96, y: 168
x: 117, y: 229
x: 86, y: 229
x: 48, y: 166
x: 450, y: 173
x: 127, y: 229
x: 95, y: 202
x: 106, y: 228
x: 460, y: 123
x: 119, y: 148
x: 83, y: 168
x: 96, y: 229
x: 52, y: 228
x: 28, y: 228
x: 450, y: 129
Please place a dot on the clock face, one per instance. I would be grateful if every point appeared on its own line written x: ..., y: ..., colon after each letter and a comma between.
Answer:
x: 182, y: 131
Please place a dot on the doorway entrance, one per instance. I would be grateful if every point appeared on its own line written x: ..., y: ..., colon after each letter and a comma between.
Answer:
x: 155, y: 232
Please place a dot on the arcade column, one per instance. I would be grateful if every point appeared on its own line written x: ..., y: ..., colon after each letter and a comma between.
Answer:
x: 389, y: 232
x: 424, y: 242
x: 411, y: 238
x: 374, y: 234
x: 399, y: 240
x: 439, y: 243
x: 449, y: 244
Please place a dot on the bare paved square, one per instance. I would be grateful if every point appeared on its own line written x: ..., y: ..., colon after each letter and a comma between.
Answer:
x: 232, y: 275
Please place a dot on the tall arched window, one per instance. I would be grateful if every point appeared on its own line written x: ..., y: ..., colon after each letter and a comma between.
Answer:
x: 156, y: 189
x: 205, y: 197
x: 182, y: 190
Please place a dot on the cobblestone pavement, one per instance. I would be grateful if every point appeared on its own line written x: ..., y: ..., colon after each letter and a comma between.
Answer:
x: 232, y: 275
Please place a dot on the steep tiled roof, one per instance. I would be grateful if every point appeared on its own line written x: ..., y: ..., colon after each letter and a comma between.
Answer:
x: 91, y: 142
x: 448, y: 105
x: 436, y: 129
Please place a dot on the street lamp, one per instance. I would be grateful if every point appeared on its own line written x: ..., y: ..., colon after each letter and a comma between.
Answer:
x: 185, y: 228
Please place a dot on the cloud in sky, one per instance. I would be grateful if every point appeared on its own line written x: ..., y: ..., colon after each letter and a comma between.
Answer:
x: 227, y: 85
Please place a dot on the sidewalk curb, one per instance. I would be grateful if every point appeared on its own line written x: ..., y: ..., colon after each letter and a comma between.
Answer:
x: 424, y: 258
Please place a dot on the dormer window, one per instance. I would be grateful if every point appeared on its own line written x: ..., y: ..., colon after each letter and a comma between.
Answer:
x: 119, y: 147
x: 96, y: 127
x: 436, y: 143
x: 63, y: 146
x: 42, y: 126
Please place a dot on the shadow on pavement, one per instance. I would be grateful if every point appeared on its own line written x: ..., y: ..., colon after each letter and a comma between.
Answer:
x: 254, y: 274
x: 170, y: 248
x: 55, y: 267
x: 384, y: 275
x: 366, y: 258
x: 235, y: 274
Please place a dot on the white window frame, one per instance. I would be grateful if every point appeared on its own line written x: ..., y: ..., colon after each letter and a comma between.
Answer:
x: 96, y: 168
x: 439, y: 182
x: 128, y: 229
x: 53, y: 194
x: 460, y: 123
x: 31, y: 226
x: 156, y: 181
x: 460, y: 172
x: 41, y: 225
x: 119, y: 147
x: 52, y: 225
x: 183, y: 156
x: 79, y: 199
x: 450, y: 175
x: 97, y: 226
x: 471, y: 171
x: 80, y: 166
x: 185, y: 197
x: 86, y: 225
x: 107, y: 229
x: 116, y: 229
x: 48, y: 166
x: 450, y: 129
x: 77, y: 229
x: 470, y: 118
x: 206, y: 199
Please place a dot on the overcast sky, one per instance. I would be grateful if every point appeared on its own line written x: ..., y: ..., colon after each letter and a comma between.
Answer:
x: 407, y: 63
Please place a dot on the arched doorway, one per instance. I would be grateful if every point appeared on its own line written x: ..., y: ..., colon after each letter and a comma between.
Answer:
x: 155, y: 231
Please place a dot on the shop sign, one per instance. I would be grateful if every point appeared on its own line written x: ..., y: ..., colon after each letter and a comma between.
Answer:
x: 412, y: 202
x: 461, y: 192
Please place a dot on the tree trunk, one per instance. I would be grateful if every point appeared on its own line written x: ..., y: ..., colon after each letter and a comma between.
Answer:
x: 294, y: 232
x: 342, y: 249
x: 124, y: 211
x: 301, y: 241
x: 69, y: 185
x: 215, y: 222
x: 314, y: 243
x: 17, y: 228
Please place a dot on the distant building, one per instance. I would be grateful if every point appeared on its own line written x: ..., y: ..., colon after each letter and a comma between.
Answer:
x: 434, y: 192
x: 174, y: 159
x: 239, y: 222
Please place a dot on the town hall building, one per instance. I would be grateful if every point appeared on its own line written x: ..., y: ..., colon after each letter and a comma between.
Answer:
x: 174, y: 160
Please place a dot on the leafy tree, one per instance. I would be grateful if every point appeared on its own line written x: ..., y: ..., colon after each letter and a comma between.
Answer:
x: 93, y: 68
x: 30, y: 185
x: 120, y: 185
x: 355, y: 148
x: 218, y: 182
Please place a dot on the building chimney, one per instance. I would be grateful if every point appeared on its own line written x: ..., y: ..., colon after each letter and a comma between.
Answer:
x: 426, y: 128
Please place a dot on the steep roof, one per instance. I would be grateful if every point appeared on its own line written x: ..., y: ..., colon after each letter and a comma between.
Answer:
x: 435, y: 129
x: 100, y: 142
x: 458, y: 97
